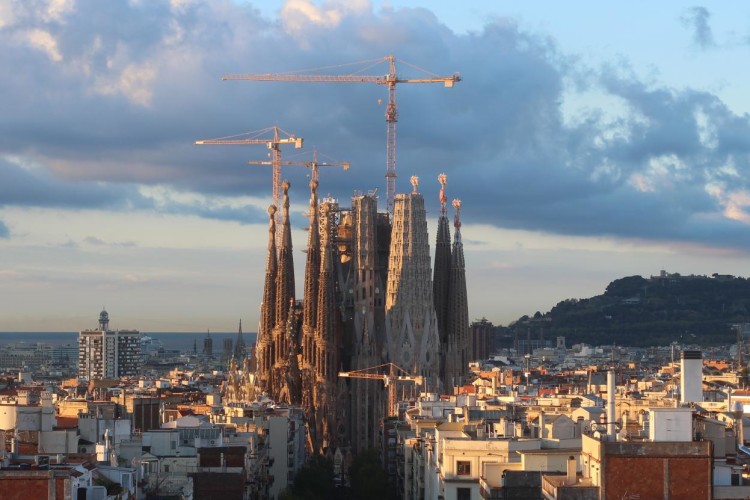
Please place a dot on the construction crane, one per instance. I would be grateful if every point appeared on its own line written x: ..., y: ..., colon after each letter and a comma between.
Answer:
x: 391, y: 112
x: 395, y: 374
x: 274, y: 145
x: 313, y: 165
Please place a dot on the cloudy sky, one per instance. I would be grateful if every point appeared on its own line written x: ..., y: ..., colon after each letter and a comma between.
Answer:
x: 586, y: 141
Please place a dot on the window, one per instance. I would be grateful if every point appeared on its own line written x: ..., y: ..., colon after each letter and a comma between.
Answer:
x: 463, y: 493
x: 463, y: 467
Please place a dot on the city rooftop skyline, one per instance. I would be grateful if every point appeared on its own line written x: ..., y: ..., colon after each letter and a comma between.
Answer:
x: 586, y: 141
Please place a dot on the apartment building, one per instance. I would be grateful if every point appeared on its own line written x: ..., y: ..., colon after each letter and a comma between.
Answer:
x: 105, y: 353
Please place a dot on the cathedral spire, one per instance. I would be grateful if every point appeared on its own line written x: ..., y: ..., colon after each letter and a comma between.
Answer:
x: 263, y: 349
x: 312, y: 268
x: 457, y: 224
x: 285, y: 276
x: 458, y: 307
x: 284, y: 301
x: 441, y: 270
x: 413, y: 341
x: 240, y: 349
x: 325, y: 324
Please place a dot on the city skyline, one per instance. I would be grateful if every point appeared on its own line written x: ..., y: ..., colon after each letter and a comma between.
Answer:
x: 586, y: 144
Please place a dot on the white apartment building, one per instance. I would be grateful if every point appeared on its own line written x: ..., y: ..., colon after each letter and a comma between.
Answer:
x: 105, y: 353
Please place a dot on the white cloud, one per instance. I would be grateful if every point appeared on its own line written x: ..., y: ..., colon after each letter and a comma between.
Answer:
x: 176, y: 34
x: 134, y: 82
x: 707, y: 132
x: 736, y: 204
x: 55, y: 10
x: 641, y: 183
x: 7, y: 14
x: 661, y: 172
x: 24, y: 162
x: 164, y: 196
x: 182, y: 5
x: 43, y: 41
x: 298, y: 15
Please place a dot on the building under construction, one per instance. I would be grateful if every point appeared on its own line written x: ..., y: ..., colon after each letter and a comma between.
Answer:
x: 369, y: 298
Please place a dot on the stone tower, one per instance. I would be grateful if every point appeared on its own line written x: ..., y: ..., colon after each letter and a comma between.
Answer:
x: 458, y: 310
x: 310, y: 315
x: 367, y: 280
x: 284, y: 297
x: 411, y: 321
x: 264, y: 343
x: 326, y: 351
x: 240, y: 348
x: 441, y: 278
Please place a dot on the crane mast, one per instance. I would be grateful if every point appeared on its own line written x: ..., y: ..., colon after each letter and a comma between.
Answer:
x: 272, y: 144
x: 391, y: 112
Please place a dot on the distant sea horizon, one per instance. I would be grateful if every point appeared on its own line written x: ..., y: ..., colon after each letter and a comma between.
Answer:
x: 182, y: 341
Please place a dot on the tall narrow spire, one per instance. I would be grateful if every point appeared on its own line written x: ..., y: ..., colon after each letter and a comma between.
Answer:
x: 285, y: 277
x: 312, y: 268
x: 240, y: 349
x: 264, y: 347
x: 310, y: 315
x: 268, y: 307
x: 325, y: 324
x: 457, y: 224
x: 441, y: 274
x: 458, y: 306
x: 326, y: 353
x: 284, y: 280
x: 411, y: 322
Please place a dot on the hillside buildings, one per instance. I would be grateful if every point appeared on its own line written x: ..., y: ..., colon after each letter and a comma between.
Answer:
x: 108, y: 354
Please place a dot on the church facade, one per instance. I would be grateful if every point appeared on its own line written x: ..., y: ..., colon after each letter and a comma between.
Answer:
x: 369, y: 298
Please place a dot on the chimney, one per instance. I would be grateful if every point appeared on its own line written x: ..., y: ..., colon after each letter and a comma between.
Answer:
x: 611, y: 430
x: 541, y: 424
x: 571, y: 475
x: 739, y: 429
x: 691, y: 377
x: 14, y: 444
x: 729, y: 399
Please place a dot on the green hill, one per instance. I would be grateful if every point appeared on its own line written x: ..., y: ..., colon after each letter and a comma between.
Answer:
x: 637, y: 311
